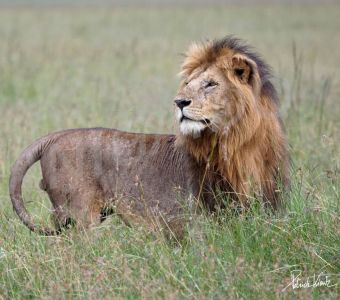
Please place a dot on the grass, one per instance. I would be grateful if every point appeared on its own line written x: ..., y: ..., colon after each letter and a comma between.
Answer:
x: 116, y: 67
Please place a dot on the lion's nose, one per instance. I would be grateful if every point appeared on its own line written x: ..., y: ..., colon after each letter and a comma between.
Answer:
x: 182, y: 103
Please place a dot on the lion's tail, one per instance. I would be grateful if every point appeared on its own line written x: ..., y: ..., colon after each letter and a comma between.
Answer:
x: 27, y: 158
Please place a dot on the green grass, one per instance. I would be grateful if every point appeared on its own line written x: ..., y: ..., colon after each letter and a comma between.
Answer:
x: 116, y: 68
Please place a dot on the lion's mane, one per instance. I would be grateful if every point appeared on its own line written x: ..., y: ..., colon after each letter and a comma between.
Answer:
x: 249, y: 156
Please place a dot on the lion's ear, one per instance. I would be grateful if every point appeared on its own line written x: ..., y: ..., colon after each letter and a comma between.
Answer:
x: 244, y: 68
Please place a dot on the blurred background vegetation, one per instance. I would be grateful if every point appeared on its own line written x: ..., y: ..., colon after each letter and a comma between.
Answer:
x: 66, y: 64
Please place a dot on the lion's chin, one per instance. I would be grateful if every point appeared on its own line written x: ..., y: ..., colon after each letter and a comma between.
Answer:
x: 192, y: 128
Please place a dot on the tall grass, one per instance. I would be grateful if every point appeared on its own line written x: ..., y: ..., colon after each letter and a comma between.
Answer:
x: 116, y: 68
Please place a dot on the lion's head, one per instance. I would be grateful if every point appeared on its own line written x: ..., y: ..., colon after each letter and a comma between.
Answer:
x: 227, y: 106
x: 219, y: 79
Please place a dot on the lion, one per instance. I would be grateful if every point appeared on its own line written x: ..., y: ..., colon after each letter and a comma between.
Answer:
x: 230, y: 140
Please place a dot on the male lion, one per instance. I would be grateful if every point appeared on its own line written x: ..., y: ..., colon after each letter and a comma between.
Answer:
x: 231, y: 140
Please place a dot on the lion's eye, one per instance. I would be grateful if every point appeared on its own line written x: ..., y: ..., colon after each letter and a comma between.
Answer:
x: 210, y: 83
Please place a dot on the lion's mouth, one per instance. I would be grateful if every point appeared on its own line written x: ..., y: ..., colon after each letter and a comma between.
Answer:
x: 204, y: 121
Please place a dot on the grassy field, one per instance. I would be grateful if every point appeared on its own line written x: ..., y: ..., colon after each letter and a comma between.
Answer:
x: 117, y: 67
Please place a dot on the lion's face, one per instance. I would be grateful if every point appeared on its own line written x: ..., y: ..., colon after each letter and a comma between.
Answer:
x: 209, y: 96
x: 201, y: 102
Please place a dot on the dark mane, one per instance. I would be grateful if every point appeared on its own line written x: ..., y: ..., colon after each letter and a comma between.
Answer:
x: 249, y: 152
x: 240, y: 46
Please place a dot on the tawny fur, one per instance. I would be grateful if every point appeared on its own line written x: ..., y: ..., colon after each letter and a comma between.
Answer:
x: 231, y: 140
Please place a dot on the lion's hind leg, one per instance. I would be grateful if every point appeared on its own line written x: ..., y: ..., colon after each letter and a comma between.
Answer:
x: 74, y: 208
x: 61, y: 214
x: 87, y: 208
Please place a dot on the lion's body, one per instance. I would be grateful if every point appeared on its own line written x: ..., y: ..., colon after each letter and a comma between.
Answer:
x: 231, y: 140
x: 141, y: 177
x: 89, y: 173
